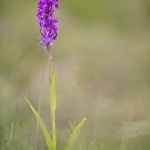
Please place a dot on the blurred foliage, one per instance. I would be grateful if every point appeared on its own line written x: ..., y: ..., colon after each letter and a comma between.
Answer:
x: 124, y: 14
x: 101, y: 60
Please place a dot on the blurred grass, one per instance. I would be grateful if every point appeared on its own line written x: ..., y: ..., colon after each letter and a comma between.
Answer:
x: 101, y: 62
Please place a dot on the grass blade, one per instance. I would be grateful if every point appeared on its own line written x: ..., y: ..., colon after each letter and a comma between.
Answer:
x: 74, y: 135
x: 43, y: 128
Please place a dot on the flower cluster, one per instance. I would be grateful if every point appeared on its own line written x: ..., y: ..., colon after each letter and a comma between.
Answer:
x: 47, y: 21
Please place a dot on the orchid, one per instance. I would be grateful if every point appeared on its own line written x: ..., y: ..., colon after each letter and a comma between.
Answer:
x: 47, y: 22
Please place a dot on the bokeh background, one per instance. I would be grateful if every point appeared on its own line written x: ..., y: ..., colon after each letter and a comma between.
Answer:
x: 102, y: 66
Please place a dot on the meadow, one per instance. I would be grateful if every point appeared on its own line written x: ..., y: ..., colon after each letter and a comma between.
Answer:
x: 101, y: 62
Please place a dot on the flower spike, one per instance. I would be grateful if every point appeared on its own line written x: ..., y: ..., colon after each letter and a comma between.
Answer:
x: 47, y: 22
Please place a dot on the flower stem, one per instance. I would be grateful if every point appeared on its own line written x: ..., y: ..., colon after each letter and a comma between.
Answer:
x: 52, y: 98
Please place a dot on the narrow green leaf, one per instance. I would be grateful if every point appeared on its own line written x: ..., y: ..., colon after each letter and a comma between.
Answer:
x: 53, y: 92
x: 53, y: 106
x: 43, y: 128
x: 74, y: 135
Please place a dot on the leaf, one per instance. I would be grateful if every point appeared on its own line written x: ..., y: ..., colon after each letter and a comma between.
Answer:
x: 53, y: 105
x: 74, y: 135
x: 53, y: 92
x: 43, y: 128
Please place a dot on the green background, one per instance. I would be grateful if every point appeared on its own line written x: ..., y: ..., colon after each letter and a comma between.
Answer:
x: 102, y: 66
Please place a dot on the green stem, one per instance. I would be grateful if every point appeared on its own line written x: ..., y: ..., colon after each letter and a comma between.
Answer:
x: 52, y: 99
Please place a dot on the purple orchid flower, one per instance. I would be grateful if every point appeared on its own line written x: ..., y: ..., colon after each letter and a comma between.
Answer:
x: 47, y: 22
